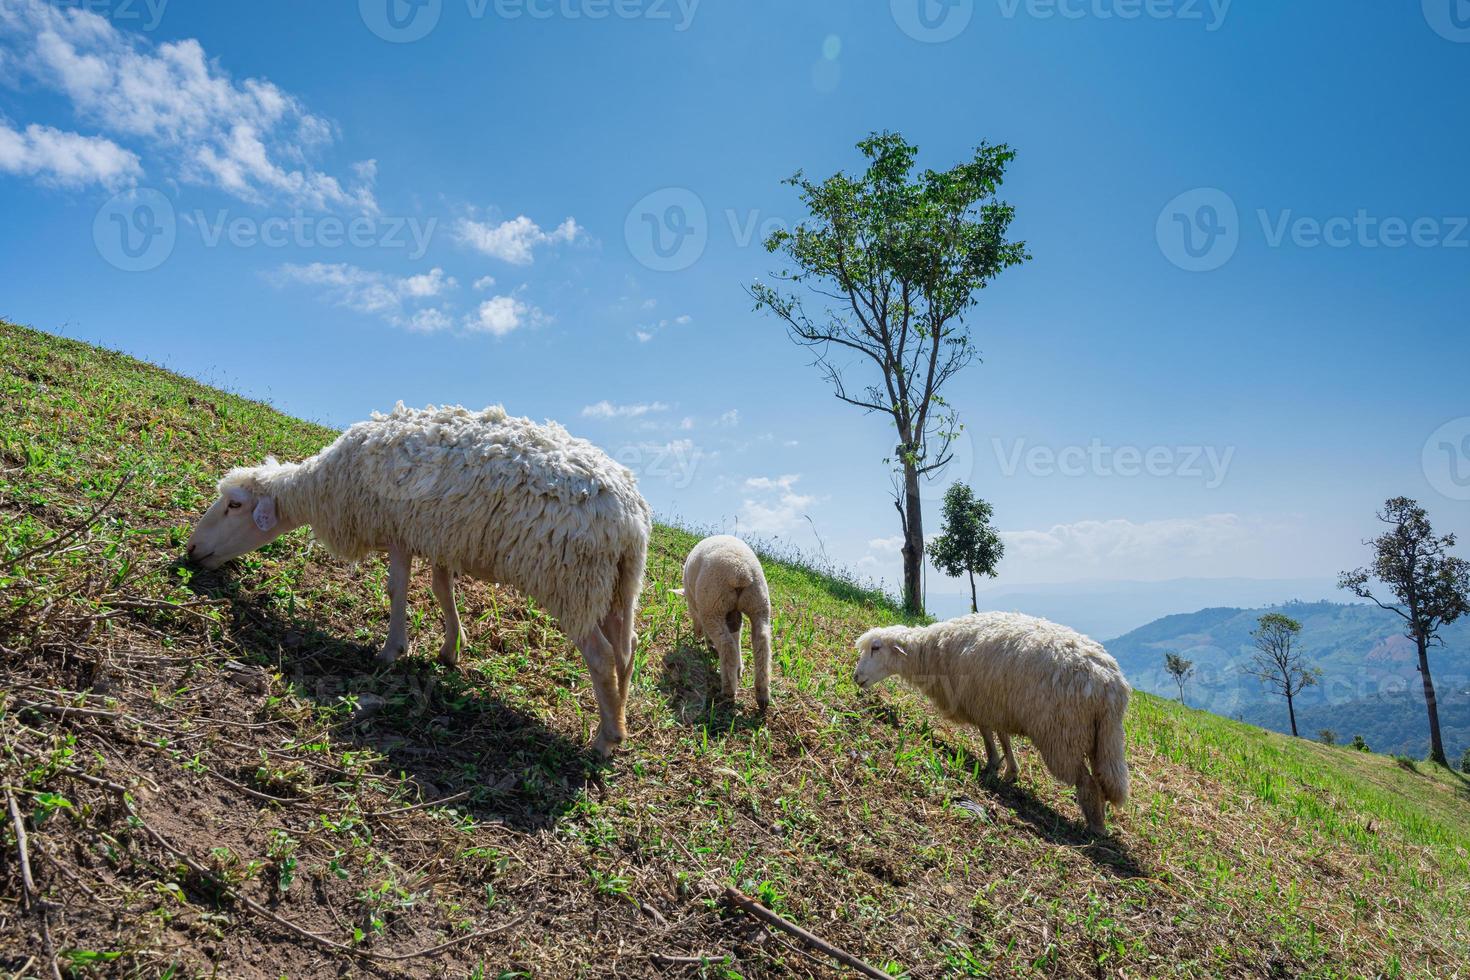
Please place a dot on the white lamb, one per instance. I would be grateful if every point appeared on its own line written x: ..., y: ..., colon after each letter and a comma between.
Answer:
x: 723, y: 579
x: 1019, y: 675
x: 499, y: 498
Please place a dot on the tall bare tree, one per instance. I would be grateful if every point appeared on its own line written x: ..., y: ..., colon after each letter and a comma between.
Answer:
x: 894, y: 261
x: 1432, y: 588
x: 1279, y: 663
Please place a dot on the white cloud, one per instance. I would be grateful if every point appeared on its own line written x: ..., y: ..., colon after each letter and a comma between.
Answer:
x: 483, y: 283
x: 607, y: 410
x: 248, y: 137
x: 516, y: 240
x: 729, y: 419
x: 648, y: 331
x: 686, y: 423
x: 887, y: 546
x: 500, y: 315
x: 66, y: 159
x: 376, y: 293
x: 1095, y: 543
x: 771, y: 504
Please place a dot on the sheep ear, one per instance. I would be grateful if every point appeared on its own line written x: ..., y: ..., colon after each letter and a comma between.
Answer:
x: 265, y: 513
x: 901, y: 651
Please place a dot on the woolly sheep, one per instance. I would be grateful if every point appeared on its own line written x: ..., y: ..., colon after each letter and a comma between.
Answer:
x: 1016, y: 674
x: 498, y: 498
x: 723, y: 579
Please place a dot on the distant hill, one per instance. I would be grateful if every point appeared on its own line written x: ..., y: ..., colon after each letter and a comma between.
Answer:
x: 1113, y: 608
x: 1370, y: 684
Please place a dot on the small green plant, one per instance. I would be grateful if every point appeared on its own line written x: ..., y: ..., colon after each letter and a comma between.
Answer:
x: 1404, y: 762
x: 1359, y: 744
x: 281, y: 849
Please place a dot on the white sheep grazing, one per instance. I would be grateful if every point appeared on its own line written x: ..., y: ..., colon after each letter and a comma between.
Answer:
x: 499, y: 498
x: 1016, y: 674
x: 723, y: 579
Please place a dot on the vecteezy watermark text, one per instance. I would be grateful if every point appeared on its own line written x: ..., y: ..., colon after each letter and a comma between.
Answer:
x: 136, y: 230
x: 303, y: 230
x: 143, y: 15
x: 1201, y: 229
x: 404, y: 21
x: 1210, y: 464
x: 937, y: 21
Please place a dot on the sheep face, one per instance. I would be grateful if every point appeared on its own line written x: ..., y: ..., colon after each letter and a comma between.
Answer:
x: 237, y: 523
x: 880, y: 655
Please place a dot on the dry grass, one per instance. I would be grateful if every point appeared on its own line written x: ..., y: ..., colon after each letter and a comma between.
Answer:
x: 208, y: 769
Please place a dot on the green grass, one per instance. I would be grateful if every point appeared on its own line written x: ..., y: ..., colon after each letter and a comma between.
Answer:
x: 243, y: 712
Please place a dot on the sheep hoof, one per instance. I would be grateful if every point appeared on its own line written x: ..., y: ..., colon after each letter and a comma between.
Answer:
x: 763, y: 702
x: 449, y: 653
x: 604, y: 745
x: 391, y: 652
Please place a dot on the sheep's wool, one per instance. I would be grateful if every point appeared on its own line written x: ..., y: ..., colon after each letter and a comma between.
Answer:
x: 1026, y: 676
x: 485, y: 493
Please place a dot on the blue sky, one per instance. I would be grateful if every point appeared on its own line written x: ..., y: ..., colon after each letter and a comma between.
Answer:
x: 1243, y: 328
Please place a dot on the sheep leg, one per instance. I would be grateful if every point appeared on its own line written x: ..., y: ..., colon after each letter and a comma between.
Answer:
x: 760, y: 651
x: 602, y: 660
x: 727, y: 644
x: 612, y: 627
x: 1013, y: 771
x: 453, y: 633
x: 400, y: 565
x: 992, y: 754
x: 1090, y: 799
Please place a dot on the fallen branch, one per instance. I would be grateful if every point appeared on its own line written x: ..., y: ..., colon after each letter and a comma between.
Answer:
x: 28, y: 883
x: 711, y: 959
x: 738, y: 899
x: 441, y: 801
x: 67, y: 535
x: 27, y: 880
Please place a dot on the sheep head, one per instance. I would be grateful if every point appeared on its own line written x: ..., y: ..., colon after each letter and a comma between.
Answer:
x: 880, y: 655
x: 242, y: 519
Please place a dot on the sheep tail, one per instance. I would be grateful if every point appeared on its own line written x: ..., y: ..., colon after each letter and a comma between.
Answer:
x: 1109, y: 763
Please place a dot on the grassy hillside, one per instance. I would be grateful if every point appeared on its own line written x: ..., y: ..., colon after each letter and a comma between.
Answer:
x: 213, y: 777
x: 1370, y: 673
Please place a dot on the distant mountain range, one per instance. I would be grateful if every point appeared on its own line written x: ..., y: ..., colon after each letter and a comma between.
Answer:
x: 1370, y: 679
x: 1102, y: 609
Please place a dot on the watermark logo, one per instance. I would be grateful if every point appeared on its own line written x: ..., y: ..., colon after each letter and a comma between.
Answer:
x: 135, y: 231
x: 400, y: 21
x: 143, y: 15
x: 303, y: 230
x: 1447, y: 459
x: 676, y: 462
x: 667, y: 230
x: 1208, y: 464
x: 1210, y: 13
x: 932, y: 21
x: 1199, y: 230
x: 1449, y: 18
x: 1363, y: 230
